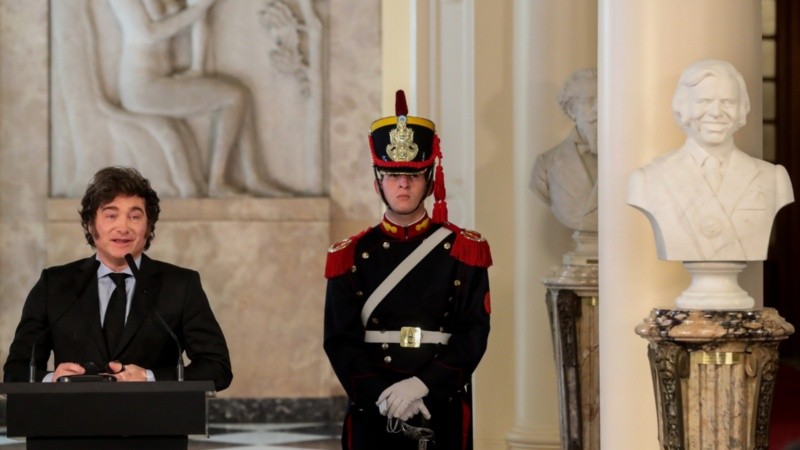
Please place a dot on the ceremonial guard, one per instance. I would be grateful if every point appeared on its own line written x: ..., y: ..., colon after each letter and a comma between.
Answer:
x: 407, y: 303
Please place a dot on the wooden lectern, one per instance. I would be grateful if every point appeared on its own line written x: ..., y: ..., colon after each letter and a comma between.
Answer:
x: 102, y: 416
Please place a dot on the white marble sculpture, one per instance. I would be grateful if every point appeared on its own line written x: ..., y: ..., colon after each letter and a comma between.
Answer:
x: 190, y: 92
x: 708, y: 202
x: 565, y: 178
x: 149, y: 84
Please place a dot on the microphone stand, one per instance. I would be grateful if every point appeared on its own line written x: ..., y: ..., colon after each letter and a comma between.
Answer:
x: 90, y: 276
x: 179, y: 370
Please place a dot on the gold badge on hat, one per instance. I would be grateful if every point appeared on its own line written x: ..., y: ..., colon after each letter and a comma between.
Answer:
x: 401, y: 147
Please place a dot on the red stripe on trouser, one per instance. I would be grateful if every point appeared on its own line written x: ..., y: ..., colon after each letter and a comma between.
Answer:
x: 466, y: 419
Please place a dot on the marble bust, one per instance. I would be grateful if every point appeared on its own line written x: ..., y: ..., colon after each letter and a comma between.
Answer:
x: 565, y: 176
x: 709, y: 200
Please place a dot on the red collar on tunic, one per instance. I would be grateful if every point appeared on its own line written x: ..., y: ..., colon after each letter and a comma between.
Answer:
x: 400, y: 232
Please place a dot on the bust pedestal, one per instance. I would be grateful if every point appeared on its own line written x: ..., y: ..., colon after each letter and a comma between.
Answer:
x: 714, y: 374
x: 579, y: 268
x: 572, y: 305
x: 715, y: 285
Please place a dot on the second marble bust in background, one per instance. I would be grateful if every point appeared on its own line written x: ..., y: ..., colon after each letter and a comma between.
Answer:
x: 565, y: 177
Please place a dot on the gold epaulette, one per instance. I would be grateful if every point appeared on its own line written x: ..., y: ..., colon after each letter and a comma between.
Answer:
x: 341, y: 256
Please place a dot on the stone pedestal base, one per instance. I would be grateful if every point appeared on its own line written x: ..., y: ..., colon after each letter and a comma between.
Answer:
x: 572, y: 305
x: 715, y: 286
x: 714, y: 374
x: 574, y: 324
x: 579, y: 270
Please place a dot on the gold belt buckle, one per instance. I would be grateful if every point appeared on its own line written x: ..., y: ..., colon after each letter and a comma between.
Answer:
x: 410, y: 337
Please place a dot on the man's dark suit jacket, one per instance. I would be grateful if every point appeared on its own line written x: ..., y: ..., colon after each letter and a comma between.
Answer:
x: 62, y: 314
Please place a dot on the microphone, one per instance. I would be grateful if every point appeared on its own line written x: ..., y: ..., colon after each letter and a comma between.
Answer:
x: 91, y: 275
x: 179, y: 366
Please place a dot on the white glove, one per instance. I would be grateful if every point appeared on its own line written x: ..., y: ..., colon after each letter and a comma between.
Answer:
x: 399, y: 395
x: 416, y: 407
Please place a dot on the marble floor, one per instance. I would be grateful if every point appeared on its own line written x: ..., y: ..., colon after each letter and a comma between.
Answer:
x: 289, y: 436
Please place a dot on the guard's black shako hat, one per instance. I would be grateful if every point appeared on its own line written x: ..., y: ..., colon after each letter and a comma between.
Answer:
x: 408, y: 144
x: 402, y: 143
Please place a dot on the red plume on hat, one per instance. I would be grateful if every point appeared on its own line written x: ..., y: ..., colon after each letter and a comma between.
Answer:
x: 400, y: 105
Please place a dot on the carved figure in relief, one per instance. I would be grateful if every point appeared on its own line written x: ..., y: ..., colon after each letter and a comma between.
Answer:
x: 150, y: 84
x: 708, y: 200
x: 565, y: 177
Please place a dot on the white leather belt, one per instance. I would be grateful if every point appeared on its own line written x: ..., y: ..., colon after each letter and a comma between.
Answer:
x: 407, y: 337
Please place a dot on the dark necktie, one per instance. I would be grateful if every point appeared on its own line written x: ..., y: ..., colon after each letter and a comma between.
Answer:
x: 114, y: 322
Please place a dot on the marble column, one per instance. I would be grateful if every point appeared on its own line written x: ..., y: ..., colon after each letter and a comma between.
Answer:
x: 643, y: 47
x: 552, y: 39
x: 714, y: 375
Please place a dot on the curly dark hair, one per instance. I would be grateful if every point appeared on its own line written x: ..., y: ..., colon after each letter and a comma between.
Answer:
x: 110, y: 182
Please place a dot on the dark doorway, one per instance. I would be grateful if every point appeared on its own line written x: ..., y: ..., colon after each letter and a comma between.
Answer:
x: 782, y: 269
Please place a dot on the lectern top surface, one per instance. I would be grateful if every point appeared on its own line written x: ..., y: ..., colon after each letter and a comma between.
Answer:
x: 69, y: 388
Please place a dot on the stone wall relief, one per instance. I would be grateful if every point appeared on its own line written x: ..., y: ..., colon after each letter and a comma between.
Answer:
x: 206, y: 97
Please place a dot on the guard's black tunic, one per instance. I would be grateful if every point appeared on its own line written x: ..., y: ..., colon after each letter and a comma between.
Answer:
x: 447, y: 291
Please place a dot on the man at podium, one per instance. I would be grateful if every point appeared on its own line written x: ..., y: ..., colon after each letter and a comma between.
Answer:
x: 118, y: 315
